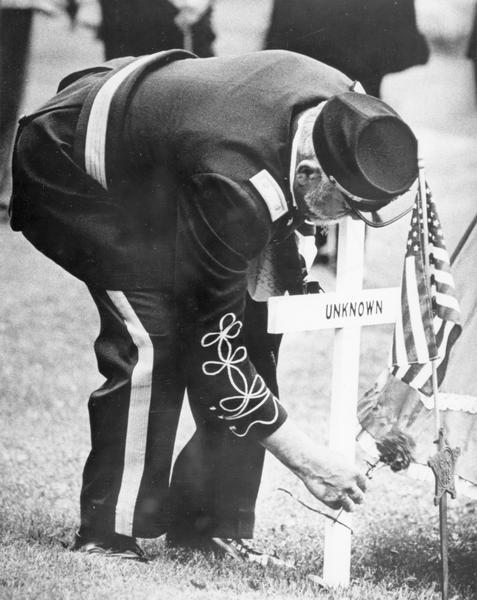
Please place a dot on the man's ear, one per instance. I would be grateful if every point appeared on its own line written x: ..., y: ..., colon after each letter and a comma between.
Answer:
x: 306, y: 171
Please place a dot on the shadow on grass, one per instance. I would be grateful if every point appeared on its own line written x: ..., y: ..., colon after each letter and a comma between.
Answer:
x: 387, y: 558
x: 207, y: 571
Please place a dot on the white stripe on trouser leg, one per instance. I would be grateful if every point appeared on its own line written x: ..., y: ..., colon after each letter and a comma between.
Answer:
x: 138, y: 416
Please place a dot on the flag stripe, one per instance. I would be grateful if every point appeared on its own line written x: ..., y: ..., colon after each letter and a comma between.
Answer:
x: 453, y: 334
x: 419, y: 375
x: 439, y: 325
x: 447, y: 301
x: 440, y: 254
x: 440, y: 265
x: 416, y: 326
x: 399, y: 347
x: 441, y: 363
x: 442, y: 289
x: 443, y: 278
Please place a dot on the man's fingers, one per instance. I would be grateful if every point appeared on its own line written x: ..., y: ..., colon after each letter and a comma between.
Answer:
x: 356, y: 495
x: 346, y: 500
x: 352, y: 497
x: 361, y: 482
x: 347, y: 504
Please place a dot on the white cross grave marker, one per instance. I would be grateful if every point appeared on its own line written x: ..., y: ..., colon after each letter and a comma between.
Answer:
x: 346, y: 311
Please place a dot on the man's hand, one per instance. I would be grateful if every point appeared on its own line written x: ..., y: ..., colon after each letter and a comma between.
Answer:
x: 326, y: 475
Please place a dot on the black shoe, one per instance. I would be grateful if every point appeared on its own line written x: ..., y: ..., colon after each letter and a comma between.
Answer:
x: 113, y: 545
x: 235, y: 548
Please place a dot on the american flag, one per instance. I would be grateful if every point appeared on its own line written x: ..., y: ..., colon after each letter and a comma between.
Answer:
x: 428, y: 324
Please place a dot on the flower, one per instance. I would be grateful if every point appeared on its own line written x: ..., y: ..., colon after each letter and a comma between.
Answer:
x: 396, y: 449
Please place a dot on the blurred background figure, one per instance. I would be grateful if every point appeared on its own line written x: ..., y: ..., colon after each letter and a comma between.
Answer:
x: 15, y: 27
x: 472, y: 47
x: 137, y: 27
x: 366, y: 40
x: 127, y: 27
x: 16, y: 19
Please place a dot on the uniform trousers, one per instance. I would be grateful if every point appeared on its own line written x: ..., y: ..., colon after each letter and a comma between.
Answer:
x: 129, y: 486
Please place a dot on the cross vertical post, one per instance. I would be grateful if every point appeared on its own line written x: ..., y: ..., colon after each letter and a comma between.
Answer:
x: 344, y: 393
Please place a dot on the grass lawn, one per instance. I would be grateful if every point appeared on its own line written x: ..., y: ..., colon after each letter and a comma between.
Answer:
x: 48, y: 369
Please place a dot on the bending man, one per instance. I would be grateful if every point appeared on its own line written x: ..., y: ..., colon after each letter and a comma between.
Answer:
x: 158, y: 181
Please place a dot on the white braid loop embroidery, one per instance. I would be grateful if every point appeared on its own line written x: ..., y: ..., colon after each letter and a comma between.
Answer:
x: 248, y: 399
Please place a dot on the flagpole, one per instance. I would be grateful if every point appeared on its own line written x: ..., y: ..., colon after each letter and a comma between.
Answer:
x: 439, y: 432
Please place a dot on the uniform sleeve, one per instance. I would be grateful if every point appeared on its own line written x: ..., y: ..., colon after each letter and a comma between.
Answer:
x: 222, y: 226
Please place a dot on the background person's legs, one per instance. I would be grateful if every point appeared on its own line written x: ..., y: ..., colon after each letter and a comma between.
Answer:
x: 137, y: 27
x: 15, y: 29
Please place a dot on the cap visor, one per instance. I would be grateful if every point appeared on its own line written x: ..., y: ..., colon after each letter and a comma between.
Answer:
x: 395, y: 210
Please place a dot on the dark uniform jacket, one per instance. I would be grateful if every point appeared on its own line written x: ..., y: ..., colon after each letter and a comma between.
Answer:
x: 172, y: 172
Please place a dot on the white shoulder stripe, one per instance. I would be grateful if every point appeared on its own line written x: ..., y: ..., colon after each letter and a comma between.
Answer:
x: 271, y: 192
x: 95, y: 142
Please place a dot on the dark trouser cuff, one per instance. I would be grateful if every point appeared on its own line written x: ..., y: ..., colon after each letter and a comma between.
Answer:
x: 237, y: 525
